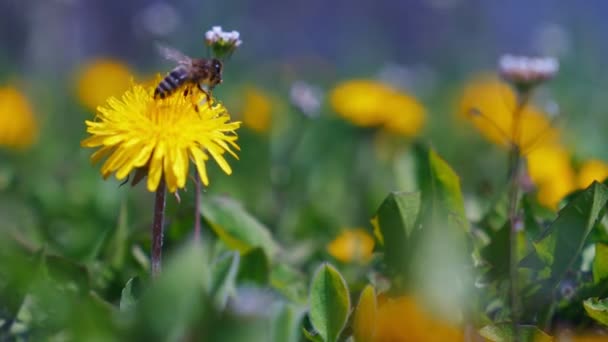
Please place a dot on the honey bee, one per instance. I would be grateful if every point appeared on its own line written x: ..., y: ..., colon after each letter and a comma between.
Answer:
x: 189, y: 72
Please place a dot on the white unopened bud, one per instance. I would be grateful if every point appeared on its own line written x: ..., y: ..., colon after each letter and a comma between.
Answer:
x: 527, y: 71
x: 217, y: 36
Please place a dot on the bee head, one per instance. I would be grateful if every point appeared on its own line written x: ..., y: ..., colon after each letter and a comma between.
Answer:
x: 217, y: 65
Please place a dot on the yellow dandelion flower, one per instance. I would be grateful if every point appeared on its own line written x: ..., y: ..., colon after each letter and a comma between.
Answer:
x: 100, y: 79
x: 550, y: 168
x: 489, y: 104
x: 18, y: 126
x: 137, y: 131
x: 352, y: 245
x: 401, y: 319
x: 592, y: 170
x: 360, y: 101
x: 369, y: 103
x: 406, y: 115
x: 257, y: 110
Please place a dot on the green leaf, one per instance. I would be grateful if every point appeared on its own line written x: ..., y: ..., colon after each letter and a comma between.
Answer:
x: 130, y: 293
x: 176, y: 297
x: 563, y: 241
x: 440, y: 187
x: 504, y: 333
x: 600, y: 263
x: 236, y: 227
x: 289, y: 282
x: 597, y: 309
x: 254, y: 268
x: 394, y: 224
x: 311, y: 336
x: 116, y: 248
x: 223, y: 276
x: 329, y: 302
x: 286, y: 320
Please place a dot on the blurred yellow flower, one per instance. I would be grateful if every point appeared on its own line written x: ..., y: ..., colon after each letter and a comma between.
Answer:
x: 399, y: 319
x: 369, y: 103
x: 100, y: 79
x: 550, y: 168
x: 352, y: 245
x: 489, y: 104
x: 364, y: 323
x: 592, y: 170
x: 18, y: 126
x: 161, y: 136
x: 257, y: 110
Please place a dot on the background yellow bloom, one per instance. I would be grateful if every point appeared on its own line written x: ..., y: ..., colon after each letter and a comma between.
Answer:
x: 370, y: 103
x: 163, y: 136
x: 100, y: 79
x: 489, y: 104
x: 257, y: 110
x: 550, y: 168
x: 403, y: 319
x: 592, y: 170
x: 352, y: 245
x: 18, y: 126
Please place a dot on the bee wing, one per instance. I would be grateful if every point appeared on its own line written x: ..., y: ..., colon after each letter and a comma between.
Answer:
x: 173, y: 54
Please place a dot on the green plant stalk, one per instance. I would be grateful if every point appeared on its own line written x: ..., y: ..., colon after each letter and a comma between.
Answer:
x: 157, y: 228
x: 197, y: 206
x: 515, y: 171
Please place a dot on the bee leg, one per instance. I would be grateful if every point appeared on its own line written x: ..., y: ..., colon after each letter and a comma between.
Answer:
x: 125, y: 181
x: 192, y: 97
x: 207, y: 95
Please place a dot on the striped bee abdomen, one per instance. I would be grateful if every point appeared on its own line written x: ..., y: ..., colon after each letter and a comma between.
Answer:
x: 171, y: 82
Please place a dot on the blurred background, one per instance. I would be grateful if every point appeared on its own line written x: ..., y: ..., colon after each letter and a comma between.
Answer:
x: 303, y: 156
x: 335, y: 97
x: 60, y: 59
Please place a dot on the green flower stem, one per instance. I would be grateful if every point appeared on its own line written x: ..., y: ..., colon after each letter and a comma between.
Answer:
x: 197, y: 206
x: 515, y: 172
x: 157, y: 228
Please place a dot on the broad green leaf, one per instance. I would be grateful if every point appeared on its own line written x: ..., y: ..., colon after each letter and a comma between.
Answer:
x: 562, y: 242
x: 597, y: 309
x: 116, y: 248
x: 223, y: 277
x: 311, y: 336
x: 130, y: 293
x: 442, y: 248
x: 600, y: 262
x: 286, y: 319
x: 394, y: 224
x: 254, y: 267
x: 176, y: 297
x: 329, y: 302
x: 504, y: 333
x: 236, y: 227
x: 289, y: 282
x: 440, y: 187
x: 364, y: 323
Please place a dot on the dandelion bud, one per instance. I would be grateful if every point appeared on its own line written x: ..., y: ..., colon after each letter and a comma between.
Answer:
x: 526, y: 72
x: 307, y: 98
x: 222, y: 43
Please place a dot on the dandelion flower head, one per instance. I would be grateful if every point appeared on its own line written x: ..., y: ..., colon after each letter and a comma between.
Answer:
x: 352, y: 245
x: 18, y: 126
x: 257, y: 110
x: 369, y: 103
x: 161, y: 136
x: 489, y: 104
